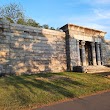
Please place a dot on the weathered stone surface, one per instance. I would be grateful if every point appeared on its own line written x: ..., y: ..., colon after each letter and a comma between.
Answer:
x: 31, y: 50
x: 80, y: 54
x: 25, y: 49
x: 106, y: 52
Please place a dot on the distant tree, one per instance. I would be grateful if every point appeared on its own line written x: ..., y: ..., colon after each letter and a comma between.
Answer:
x: 31, y: 22
x: 11, y: 11
x: 40, y: 26
x: 45, y: 26
x: 21, y: 21
x: 52, y: 28
x: 28, y: 22
x: 10, y: 20
x: 14, y: 13
x: 58, y: 29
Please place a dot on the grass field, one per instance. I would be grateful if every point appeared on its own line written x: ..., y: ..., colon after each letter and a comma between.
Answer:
x: 29, y: 91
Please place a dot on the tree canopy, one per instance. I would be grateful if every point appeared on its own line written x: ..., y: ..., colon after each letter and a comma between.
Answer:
x: 14, y: 13
x: 31, y: 22
x: 46, y: 26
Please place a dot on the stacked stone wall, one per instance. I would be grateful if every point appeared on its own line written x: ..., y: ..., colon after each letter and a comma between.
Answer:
x: 71, y: 50
x: 26, y: 49
x: 106, y: 52
x: 30, y: 50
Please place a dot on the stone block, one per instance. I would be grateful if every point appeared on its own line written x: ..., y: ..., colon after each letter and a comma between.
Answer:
x: 31, y: 50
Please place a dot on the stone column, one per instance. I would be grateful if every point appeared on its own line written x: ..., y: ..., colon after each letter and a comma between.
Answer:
x: 78, y: 53
x: 102, y: 52
x: 93, y: 53
x: 83, y: 53
x: 98, y: 53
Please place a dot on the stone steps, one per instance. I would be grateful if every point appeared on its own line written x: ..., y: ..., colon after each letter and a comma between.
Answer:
x: 96, y: 69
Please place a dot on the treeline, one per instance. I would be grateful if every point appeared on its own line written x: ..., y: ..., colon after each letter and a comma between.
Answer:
x: 15, y: 14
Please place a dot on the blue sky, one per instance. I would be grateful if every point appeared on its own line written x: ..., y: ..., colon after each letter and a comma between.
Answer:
x: 56, y: 13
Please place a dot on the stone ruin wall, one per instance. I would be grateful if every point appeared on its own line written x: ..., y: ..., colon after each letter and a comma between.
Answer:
x: 25, y: 49
x: 71, y: 49
x: 106, y: 52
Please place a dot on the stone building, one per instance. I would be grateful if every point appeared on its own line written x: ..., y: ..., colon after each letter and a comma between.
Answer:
x: 25, y: 49
x: 86, y: 49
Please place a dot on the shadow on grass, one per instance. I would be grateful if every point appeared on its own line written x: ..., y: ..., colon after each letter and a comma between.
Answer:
x: 30, y: 82
x: 47, y: 75
x: 102, y: 74
x: 68, y: 82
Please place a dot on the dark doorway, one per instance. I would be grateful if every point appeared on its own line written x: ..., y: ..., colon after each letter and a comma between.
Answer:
x: 99, y: 53
x: 80, y: 50
x: 88, y: 51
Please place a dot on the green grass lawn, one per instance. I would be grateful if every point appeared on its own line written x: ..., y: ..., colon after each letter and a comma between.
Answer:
x: 28, y: 91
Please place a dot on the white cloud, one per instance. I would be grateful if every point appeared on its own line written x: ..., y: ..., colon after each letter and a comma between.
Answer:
x: 97, y: 15
x: 95, y: 21
x: 102, y: 14
x: 97, y: 26
x: 101, y: 1
x: 96, y: 3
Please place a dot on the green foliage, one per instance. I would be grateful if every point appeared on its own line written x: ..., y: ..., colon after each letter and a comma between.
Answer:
x: 45, y: 26
x: 52, y: 28
x: 31, y: 22
x: 10, y: 20
x: 28, y: 22
x: 58, y: 29
x: 21, y: 21
x: 12, y: 11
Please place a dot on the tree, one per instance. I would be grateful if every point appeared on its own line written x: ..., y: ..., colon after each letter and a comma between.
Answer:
x: 31, y: 22
x: 10, y: 20
x: 12, y: 11
x: 21, y: 21
x: 58, y: 29
x: 45, y: 26
x: 52, y: 28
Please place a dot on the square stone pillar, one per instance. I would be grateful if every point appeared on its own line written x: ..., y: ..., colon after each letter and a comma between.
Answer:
x: 93, y: 53
x: 98, y: 53
x: 83, y: 54
x: 78, y: 53
x: 102, y: 52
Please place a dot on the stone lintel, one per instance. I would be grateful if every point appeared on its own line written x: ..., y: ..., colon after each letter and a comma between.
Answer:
x: 83, y: 31
x: 83, y: 27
